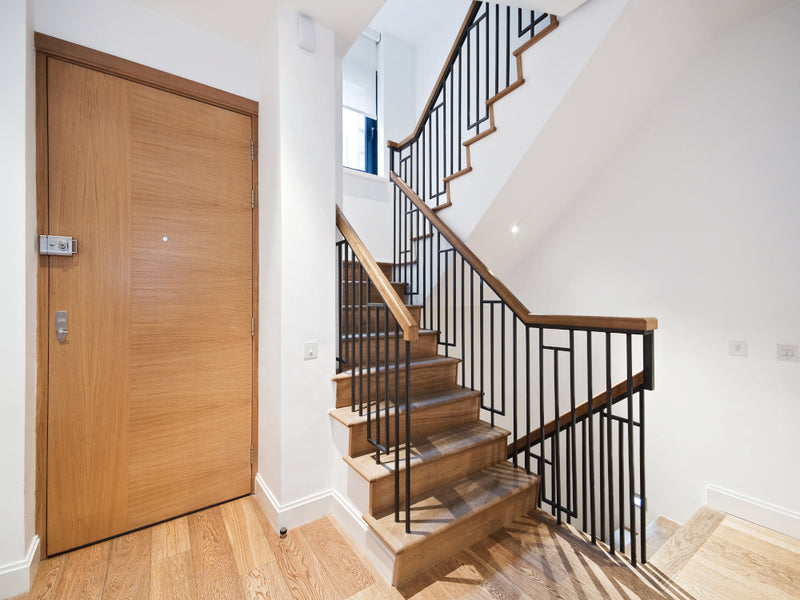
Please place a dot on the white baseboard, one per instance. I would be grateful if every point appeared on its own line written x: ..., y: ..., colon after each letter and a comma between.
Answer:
x: 16, y: 578
x: 292, y: 514
x: 329, y: 502
x: 756, y: 511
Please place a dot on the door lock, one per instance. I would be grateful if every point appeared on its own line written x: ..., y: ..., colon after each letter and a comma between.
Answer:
x: 57, y: 245
x: 61, y: 326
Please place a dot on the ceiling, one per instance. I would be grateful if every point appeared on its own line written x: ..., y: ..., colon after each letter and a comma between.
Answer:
x: 245, y: 21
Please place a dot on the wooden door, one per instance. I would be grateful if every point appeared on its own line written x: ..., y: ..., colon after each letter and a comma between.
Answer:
x: 150, y: 395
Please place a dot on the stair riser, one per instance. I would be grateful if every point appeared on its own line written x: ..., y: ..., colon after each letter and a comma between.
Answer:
x: 424, y: 379
x: 363, y: 293
x: 462, y: 534
x: 429, y: 475
x: 368, y: 350
x: 351, y: 317
x: 424, y: 422
x: 352, y: 271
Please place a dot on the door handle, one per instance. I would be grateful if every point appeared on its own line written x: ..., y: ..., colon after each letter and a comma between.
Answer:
x: 61, y: 326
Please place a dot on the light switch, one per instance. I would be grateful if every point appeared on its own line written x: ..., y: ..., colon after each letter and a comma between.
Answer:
x: 310, y: 350
x: 788, y: 353
x: 737, y: 347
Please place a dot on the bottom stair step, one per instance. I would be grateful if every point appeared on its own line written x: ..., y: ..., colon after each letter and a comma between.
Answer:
x: 455, y: 516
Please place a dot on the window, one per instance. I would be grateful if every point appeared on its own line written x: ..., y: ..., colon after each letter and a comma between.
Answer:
x: 360, y: 106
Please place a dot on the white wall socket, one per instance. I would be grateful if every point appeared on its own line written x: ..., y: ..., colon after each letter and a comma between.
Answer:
x: 788, y: 352
x: 310, y: 350
x: 737, y: 347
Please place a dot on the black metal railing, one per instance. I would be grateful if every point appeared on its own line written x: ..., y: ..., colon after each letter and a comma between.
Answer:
x: 533, y: 373
x: 375, y: 352
x: 482, y: 65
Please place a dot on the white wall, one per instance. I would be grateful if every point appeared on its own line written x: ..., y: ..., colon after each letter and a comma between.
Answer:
x: 18, y: 544
x: 694, y: 220
x: 297, y: 295
x: 129, y: 30
x: 432, y: 51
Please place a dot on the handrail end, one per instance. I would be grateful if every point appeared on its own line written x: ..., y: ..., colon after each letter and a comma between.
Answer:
x: 411, y: 333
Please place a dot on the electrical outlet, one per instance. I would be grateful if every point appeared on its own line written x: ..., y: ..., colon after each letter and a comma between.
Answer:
x: 737, y: 347
x: 310, y: 350
x: 788, y: 353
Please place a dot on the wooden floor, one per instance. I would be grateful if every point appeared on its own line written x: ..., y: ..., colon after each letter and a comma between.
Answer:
x: 232, y: 552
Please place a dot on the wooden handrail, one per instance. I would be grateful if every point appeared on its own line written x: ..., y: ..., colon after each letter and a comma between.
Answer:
x: 599, y: 402
x: 395, y: 304
x: 473, y: 9
x: 625, y: 324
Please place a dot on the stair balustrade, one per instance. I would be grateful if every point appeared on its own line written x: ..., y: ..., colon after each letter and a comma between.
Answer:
x: 373, y: 324
x: 483, y: 65
x: 533, y: 372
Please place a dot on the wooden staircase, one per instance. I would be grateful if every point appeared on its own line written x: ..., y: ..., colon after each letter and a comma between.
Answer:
x: 462, y: 487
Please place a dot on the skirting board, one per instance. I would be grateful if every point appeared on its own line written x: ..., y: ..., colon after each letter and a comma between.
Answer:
x: 16, y: 578
x: 319, y: 505
x: 756, y: 511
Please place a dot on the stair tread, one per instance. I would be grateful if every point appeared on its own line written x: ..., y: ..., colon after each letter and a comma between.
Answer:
x: 682, y: 546
x: 392, y: 334
x: 423, y: 362
x: 439, y: 509
x: 659, y: 532
x: 429, y: 449
x: 357, y: 306
x: 348, y: 417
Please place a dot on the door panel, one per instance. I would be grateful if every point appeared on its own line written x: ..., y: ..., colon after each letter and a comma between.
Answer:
x: 89, y: 373
x: 151, y: 394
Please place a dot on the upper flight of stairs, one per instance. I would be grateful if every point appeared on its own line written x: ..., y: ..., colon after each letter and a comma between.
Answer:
x: 462, y: 487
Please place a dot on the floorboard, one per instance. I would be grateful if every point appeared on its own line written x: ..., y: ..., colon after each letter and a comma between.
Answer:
x: 232, y: 552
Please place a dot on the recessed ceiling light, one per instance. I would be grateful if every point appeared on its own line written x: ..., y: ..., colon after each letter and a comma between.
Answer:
x: 514, y: 228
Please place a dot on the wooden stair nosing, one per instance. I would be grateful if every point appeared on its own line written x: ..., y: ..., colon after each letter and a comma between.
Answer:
x: 373, y: 346
x: 684, y: 544
x: 429, y: 449
x: 462, y: 512
x: 428, y: 374
x: 421, y: 363
x: 382, y: 335
x: 419, y: 403
x: 350, y: 266
x: 435, y: 461
x: 434, y: 411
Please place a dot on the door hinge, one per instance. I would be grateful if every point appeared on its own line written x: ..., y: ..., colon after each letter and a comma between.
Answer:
x: 252, y: 327
x: 252, y: 198
x: 252, y: 150
x: 251, y: 453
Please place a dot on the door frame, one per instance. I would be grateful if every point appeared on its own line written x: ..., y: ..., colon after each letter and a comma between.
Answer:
x: 50, y: 47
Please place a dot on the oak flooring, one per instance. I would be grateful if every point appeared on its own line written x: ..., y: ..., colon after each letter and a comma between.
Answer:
x: 232, y: 552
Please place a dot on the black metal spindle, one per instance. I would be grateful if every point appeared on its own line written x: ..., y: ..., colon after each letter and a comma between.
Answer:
x: 573, y: 426
x: 408, y: 437
x: 631, y: 471
x: 491, y: 360
x: 610, y: 446
x: 642, y: 487
x: 621, y: 472
x: 528, y: 400
x: 556, y: 437
x: 515, y: 436
x: 397, y: 422
x: 590, y: 399
x: 541, y: 413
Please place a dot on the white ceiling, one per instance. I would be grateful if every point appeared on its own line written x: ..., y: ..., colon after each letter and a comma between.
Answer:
x: 413, y: 21
x: 244, y: 21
